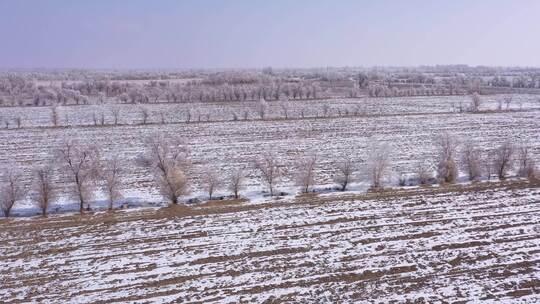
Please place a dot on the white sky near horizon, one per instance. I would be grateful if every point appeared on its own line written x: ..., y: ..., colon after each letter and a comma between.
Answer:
x: 257, y: 33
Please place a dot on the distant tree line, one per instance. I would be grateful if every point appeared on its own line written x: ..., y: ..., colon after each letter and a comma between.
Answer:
x: 73, y: 87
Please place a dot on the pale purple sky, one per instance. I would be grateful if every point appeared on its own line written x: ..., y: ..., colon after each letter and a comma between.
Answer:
x: 258, y: 33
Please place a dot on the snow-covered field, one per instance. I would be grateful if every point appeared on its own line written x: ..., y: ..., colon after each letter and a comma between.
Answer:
x: 409, y: 125
x: 223, y: 111
x: 416, y: 246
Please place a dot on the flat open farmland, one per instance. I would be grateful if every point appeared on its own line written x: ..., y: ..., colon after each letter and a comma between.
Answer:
x: 225, y: 145
x: 269, y: 152
x: 220, y: 111
x: 455, y: 244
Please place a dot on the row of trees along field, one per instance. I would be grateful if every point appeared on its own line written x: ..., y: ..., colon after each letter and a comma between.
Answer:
x: 88, y: 171
x: 283, y: 109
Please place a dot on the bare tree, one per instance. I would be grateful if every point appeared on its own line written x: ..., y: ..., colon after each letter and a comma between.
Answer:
x: 144, y: 114
x: 508, y: 101
x: 471, y: 160
x: 115, y: 111
x: 236, y: 182
x: 43, y: 188
x: 326, y: 109
x: 424, y: 172
x: 211, y: 182
x: 162, y: 117
x: 284, y: 104
x: 80, y: 164
x: 262, y: 108
x: 378, y: 164
x: 270, y: 170
x: 447, y: 168
x: 54, y: 115
x: 460, y: 106
x: 110, y: 173
x: 94, y: 118
x: 344, y: 173
x: 12, y: 190
x: 306, y: 172
x: 476, y: 101
x: 502, y: 160
x: 167, y: 160
x: 527, y: 167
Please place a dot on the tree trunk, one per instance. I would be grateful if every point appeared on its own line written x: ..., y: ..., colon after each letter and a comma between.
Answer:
x: 110, y: 202
x: 81, y: 201
x: 80, y: 193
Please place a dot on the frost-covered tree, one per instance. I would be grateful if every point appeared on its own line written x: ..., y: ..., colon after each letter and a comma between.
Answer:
x: 527, y: 166
x: 115, y: 111
x: 110, y: 173
x: 262, y: 108
x: 144, y: 115
x: 508, y: 101
x: 43, y: 189
x: 471, y: 159
x: 344, y: 172
x: 54, y: 116
x: 80, y: 164
x: 447, y: 170
x: 211, y: 182
x: 270, y: 169
x: 424, y: 171
x: 378, y: 164
x: 305, y: 178
x: 12, y: 190
x: 476, y: 102
x: 502, y: 161
x: 284, y: 105
x: 167, y: 159
x: 236, y: 181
